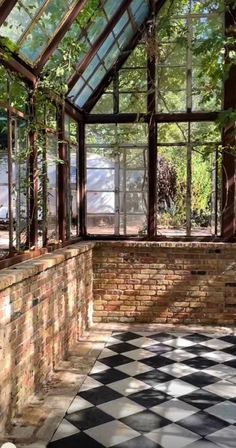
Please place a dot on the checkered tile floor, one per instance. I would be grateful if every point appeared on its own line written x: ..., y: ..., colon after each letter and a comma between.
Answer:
x: 162, y: 390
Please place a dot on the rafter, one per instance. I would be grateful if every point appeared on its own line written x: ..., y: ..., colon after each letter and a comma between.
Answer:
x: 5, y: 9
x: 97, y: 45
x: 60, y: 34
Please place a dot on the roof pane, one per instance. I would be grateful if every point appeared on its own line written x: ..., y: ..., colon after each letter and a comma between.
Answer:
x: 97, y: 77
x: 112, y: 47
x: 32, y: 24
x: 111, y: 7
x: 83, y: 96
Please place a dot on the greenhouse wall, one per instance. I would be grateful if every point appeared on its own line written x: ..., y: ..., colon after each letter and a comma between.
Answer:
x: 45, y: 305
x: 172, y: 282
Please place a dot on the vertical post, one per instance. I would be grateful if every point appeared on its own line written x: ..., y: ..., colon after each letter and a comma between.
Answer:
x: 189, y: 184
x: 62, y: 174
x: 152, y: 130
x: 10, y: 179
x: 33, y: 176
x: 229, y: 138
x: 82, y: 179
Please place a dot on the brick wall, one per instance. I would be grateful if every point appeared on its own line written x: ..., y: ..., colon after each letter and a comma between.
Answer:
x: 165, y: 282
x: 44, y: 306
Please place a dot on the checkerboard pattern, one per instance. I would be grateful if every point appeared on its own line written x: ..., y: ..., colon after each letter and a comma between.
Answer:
x: 162, y: 390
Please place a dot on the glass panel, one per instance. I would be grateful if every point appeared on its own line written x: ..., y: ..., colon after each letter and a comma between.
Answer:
x: 74, y: 191
x: 101, y: 134
x: 171, y: 193
x: 97, y: 77
x: 83, y: 96
x: 202, y: 183
x: 133, y: 80
x: 172, y: 101
x: 133, y: 102
x: 4, y: 203
x: 104, y: 105
x: 20, y: 181
x: 52, y: 199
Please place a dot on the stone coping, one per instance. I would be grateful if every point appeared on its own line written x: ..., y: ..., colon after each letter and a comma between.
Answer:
x: 19, y: 272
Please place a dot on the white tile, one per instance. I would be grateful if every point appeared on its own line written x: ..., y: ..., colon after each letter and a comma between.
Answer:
x: 180, y: 343
x: 221, y: 371
x: 176, y: 388
x: 90, y: 383
x: 218, y: 356
x: 223, y: 388
x: 226, y: 411
x: 65, y: 429
x: 98, y: 367
x: 134, y: 368
x: 112, y: 433
x: 178, y: 370
x: 106, y: 353
x: 112, y: 341
x: 78, y: 404
x: 143, y: 342
x: 129, y: 386
x: 224, y: 437
x: 179, y: 355
x: 120, y: 408
x: 232, y: 379
x: 216, y: 344
x: 174, y: 410
x: 172, y: 436
x: 139, y: 354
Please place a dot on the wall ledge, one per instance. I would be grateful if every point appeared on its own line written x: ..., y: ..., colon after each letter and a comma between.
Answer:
x: 19, y: 272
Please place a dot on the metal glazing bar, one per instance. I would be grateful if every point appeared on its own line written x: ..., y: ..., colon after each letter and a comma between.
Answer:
x: 82, y: 179
x: 60, y: 34
x: 97, y: 45
x: 62, y: 175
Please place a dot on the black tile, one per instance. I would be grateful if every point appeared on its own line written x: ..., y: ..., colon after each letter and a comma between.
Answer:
x: 196, y: 337
x: 230, y: 350
x: 122, y: 347
x: 157, y: 361
x: 145, y: 421
x: 154, y: 377
x: 159, y: 348
x: 231, y: 363
x: 198, y: 350
x: 76, y: 441
x: 150, y: 397
x: 88, y: 418
x: 202, y: 423
x: 201, y: 379
x: 109, y: 376
x: 125, y: 336
x: 138, y: 442
x: 199, y: 363
x: 99, y: 395
x: 202, y: 399
x: 162, y: 337
x: 116, y: 360
x: 231, y: 339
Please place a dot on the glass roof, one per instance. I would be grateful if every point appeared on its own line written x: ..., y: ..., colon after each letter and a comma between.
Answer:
x: 112, y: 47
x: 32, y: 24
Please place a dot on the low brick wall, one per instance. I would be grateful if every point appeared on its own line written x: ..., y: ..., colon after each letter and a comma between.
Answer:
x: 165, y: 282
x: 44, y: 306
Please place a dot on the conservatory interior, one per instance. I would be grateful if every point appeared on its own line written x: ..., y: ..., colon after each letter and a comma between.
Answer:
x: 117, y: 223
